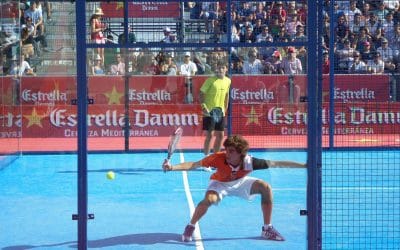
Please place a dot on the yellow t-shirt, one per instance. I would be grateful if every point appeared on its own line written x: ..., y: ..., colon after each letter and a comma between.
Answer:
x: 215, y: 90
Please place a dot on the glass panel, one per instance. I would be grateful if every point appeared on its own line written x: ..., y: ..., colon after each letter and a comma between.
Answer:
x: 38, y: 163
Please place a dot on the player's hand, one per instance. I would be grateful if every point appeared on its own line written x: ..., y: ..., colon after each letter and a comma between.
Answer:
x: 205, y: 110
x: 166, y: 165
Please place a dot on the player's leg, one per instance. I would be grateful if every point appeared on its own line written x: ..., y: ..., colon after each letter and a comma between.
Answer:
x: 263, y: 188
x: 268, y: 231
x: 219, y: 133
x: 210, y: 198
x: 208, y: 129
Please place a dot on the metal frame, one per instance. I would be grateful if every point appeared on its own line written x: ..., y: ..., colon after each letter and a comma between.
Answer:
x: 314, y: 110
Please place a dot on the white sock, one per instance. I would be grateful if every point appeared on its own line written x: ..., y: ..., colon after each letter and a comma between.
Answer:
x: 267, y: 225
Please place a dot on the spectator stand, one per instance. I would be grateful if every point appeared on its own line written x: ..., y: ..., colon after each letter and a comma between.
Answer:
x: 146, y: 30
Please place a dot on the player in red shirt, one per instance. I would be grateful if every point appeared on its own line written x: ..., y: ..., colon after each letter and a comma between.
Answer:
x: 231, y: 178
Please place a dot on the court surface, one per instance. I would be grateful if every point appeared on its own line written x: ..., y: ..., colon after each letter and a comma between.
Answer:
x: 143, y: 207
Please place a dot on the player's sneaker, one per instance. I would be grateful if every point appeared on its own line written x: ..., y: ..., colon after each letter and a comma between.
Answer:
x: 270, y: 233
x: 187, y: 235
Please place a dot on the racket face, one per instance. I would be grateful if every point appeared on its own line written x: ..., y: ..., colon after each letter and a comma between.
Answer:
x: 174, y: 140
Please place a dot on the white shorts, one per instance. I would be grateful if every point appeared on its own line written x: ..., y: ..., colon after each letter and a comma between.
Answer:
x: 240, y: 188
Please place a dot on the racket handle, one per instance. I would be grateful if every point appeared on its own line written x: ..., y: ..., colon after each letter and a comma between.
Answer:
x: 165, y: 162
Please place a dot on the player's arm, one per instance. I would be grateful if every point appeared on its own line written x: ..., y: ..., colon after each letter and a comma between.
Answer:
x: 226, y: 102
x: 286, y: 164
x: 181, y: 166
x: 204, y: 107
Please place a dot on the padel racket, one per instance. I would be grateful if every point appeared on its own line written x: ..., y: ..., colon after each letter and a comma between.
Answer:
x: 174, y: 141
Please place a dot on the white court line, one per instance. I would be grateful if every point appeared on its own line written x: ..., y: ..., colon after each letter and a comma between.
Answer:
x: 304, y: 189
x: 196, y: 233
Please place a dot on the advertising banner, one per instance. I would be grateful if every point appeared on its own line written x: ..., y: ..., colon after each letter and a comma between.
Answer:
x: 46, y: 106
x: 141, y: 9
x: 349, y: 119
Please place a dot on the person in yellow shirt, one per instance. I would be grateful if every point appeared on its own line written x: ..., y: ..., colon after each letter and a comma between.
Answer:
x: 214, y: 98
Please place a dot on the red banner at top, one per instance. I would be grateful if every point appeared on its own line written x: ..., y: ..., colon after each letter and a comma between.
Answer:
x: 141, y: 9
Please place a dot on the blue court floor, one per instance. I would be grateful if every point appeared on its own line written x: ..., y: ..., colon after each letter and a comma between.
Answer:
x: 143, y: 207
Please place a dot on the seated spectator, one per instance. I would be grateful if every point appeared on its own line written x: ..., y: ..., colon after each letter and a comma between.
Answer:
x: 264, y: 36
x: 38, y: 40
x: 388, y: 24
x: 194, y: 9
x: 168, y: 36
x: 363, y: 36
x: 201, y: 67
x: 248, y: 36
x: 235, y: 34
x: 109, y: 53
x: 168, y: 66
x: 237, y: 66
x: 373, y: 26
x: 150, y: 65
x: 394, y: 38
x: 376, y: 65
x: 260, y: 11
x: 22, y: 69
x: 273, y: 64
x: 8, y: 39
x: 341, y: 28
x: 365, y: 10
x: 282, y: 36
x: 37, y: 17
x: 345, y: 56
x: 357, y: 66
x: 387, y: 54
x: 187, y: 68
x: 325, y: 63
x: 381, y: 11
x: 258, y: 27
x: 131, y: 36
x: 392, y: 5
x: 119, y: 67
x: 253, y: 65
x: 275, y: 27
x: 209, y: 13
x: 291, y: 65
x: 39, y: 26
x: 97, y: 68
x: 300, y: 36
x: 26, y: 43
x: 291, y: 25
x: 279, y: 12
x: 367, y: 53
x: 356, y: 24
x: 352, y: 11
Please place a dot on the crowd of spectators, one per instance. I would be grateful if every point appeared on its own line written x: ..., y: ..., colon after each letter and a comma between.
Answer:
x: 23, y: 39
x: 369, y: 29
x: 367, y: 36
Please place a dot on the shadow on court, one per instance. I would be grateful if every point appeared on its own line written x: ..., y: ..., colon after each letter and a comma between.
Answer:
x: 129, y: 239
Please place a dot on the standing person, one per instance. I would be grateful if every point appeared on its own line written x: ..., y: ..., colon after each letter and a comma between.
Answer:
x: 231, y: 179
x: 97, y: 28
x: 214, y: 98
